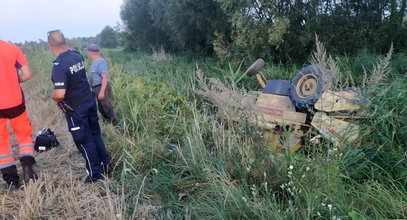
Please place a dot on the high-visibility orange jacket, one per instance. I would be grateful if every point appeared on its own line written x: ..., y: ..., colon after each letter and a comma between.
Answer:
x: 11, y: 58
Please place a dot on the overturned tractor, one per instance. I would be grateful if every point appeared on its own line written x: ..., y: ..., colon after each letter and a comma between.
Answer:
x: 294, y: 111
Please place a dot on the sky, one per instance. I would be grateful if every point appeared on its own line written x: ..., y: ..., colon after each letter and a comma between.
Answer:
x: 30, y: 20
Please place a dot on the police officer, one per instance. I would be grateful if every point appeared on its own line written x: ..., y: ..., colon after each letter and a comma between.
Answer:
x: 14, y: 69
x: 73, y: 95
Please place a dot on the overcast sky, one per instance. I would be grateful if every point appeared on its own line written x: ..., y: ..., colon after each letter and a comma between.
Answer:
x: 30, y: 20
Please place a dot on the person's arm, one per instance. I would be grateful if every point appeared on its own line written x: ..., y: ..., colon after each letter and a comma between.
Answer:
x: 101, y: 94
x: 59, y: 79
x: 25, y: 74
x: 59, y: 95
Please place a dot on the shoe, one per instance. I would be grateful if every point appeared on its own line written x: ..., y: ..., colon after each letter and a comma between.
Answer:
x: 27, y: 163
x: 10, y: 175
x: 29, y: 174
x: 90, y: 179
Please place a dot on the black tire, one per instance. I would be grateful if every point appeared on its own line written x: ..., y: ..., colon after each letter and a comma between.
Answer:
x: 255, y: 67
x: 306, y: 87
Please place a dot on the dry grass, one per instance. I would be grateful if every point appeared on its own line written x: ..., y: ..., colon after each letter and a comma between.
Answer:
x: 228, y: 98
x: 332, y: 78
x: 161, y: 57
x: 380, y: 71
x: 59, y: 193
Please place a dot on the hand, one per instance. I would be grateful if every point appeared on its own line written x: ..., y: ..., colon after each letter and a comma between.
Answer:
x: 101, y: 96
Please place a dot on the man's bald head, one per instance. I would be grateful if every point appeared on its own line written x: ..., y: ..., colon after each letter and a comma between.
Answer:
x: 57, y: 40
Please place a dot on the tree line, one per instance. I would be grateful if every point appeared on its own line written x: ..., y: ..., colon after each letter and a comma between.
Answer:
x: 109, y: 37
x: 281, y: 30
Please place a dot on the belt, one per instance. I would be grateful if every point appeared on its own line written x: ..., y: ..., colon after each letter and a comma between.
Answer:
x: 12, y: 112
x: 74, y: 103
x: 96, y: 86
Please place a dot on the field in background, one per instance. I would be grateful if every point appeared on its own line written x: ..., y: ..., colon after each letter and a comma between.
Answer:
x: 175, y: 160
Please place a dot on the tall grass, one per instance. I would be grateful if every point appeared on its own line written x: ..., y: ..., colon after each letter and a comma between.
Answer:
x: 219, y: 170
x: 174, y: 159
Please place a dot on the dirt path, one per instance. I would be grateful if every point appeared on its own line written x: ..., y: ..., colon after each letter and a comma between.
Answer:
x: 58, y: 193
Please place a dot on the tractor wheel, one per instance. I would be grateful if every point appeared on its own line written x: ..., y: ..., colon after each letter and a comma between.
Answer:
x: 306, y: 87
x: 255, y: 67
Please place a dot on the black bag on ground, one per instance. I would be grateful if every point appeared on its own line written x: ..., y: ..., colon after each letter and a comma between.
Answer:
x: 45, y: 140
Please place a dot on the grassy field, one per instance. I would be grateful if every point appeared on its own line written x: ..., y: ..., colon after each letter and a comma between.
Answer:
x: 174, y: 159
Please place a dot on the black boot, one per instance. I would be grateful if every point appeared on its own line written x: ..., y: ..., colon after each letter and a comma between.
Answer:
x: 11, y: 177
x: 27, y: 163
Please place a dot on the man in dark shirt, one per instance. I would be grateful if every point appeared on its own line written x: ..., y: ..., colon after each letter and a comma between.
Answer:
x: 73, y: 95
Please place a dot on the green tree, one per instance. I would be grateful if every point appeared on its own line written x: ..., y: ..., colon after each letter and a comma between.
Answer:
x: 176, y: 25
x: 257, y: 27
x: 108, y: 38
x: 283, y: 30
x: 140, y: 32
x: 191, y: 23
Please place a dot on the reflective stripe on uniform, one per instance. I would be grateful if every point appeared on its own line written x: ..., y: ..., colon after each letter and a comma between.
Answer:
x: 5, y: 156
x: 26, y: 145
x: 6, y: 160
x: 88, y: 161
x: 9, y: 164
x: 26, y: 149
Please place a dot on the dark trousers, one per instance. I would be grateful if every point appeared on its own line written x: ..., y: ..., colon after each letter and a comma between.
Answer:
x: 84, y: 126
x: 105, y: 106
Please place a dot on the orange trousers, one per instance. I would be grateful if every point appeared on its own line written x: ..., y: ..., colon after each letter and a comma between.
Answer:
x: 22, y: 128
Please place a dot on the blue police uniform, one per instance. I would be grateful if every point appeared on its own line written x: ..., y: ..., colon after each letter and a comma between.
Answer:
x: 69, y: 73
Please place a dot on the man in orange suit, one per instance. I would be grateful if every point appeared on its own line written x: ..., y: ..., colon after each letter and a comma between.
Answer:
x: 14, y: 69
